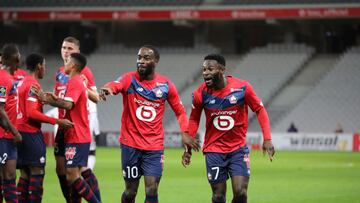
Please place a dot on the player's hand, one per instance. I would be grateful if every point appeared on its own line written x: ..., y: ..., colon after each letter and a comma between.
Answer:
x: 268, y: 148
x: 65, y: 123
x: 104, y: 91
x: 186, y: 157
x: 189, y: 142
x: 17, y: 138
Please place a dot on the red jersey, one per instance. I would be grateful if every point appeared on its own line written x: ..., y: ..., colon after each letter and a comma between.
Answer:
x: 30, y: 108
x: 76, y: 92
x: 226, y: 112
x: 20, y: 74
x: 8, y: 96
x: 144, y: 107
x: 61, y: 80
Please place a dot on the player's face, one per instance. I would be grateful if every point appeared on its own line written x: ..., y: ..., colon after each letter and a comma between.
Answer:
x: 146, y: 62
x: 68, y: 48
x: 212, y: 73
x: 69, y: 65
x: 42, y: 70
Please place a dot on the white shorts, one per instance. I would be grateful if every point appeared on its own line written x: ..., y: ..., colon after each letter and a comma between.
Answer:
x: 94, y: 129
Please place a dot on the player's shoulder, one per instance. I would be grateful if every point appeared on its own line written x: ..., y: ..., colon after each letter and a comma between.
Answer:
x: 237, y: 81
x: 5, y: 76
x: 162, y: 79
x: 86, y: 70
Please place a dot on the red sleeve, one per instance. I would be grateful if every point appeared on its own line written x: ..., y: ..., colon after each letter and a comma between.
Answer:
x: 5, y: 88
x: 90, y: 78
x: 178, y: 107
x: 257, y: 106
x: 73, y: 90
x: 33, y: 112
x: 119, y: 84
x: 195, y: 114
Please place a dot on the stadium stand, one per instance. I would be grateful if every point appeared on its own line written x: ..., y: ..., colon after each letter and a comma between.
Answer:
x: 97, y: 3
x: 271, y: 2
x: 334, y: 99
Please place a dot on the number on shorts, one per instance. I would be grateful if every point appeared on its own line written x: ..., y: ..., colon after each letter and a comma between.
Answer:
x: 217, y: 172
x: 3, y: 159
x: 132, y: 172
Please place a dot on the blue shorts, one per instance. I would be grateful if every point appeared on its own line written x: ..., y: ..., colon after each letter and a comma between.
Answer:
x: 8, y: 150
x: 136, y: 162
x: 59, y: 145
x: 32, y: 150
x: 76, y: 155
x: 219, y: 166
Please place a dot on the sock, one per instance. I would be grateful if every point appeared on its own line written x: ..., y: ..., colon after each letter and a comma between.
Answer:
x: 23, y: 190
x: 91, y: 161
x: 74, y: 196
x: 91, y: 180
x: 64, y: 187
x: 10, y: 191
x: 36, y: 188
x: 84, y: 190
x: 124, y: 200
x: 151, y: 199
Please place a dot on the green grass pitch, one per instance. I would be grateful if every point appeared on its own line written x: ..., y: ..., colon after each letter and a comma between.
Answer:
x: 293, y: 177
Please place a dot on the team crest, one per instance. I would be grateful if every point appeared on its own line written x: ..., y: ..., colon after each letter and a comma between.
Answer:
x: 70, y: 153
x: 159, y: 93
x: 233, y: 99
x: 2, y: 91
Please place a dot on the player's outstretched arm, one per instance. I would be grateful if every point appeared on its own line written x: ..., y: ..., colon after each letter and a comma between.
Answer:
x: 105, y: 91
x: 93, y: 95
x: 268, y: 148
x: 7, y: 125
x: 51, y: 99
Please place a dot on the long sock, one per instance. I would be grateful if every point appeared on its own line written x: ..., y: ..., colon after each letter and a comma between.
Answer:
x: 151, y: 199
x: 126, y: 200
x: 36, y: 188
x: 74, y: 196
x: 64, y: 187
x: 23, y: 190
x: 85, y: 191
x: 10, y: 191
x: 90, y: 178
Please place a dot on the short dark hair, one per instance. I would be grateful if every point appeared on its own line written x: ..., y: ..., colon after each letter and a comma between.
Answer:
x: 72, y: 40
x: 155, y: 50
x: 33, y: 60
x: 80, y: 60
x: 217, y: 57
x: 8, y: 51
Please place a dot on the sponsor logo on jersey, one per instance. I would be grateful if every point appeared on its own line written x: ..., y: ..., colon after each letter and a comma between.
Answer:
x: 146, y: 113
x: 147, y: 103
x: 223, y: 123
x: 140, y: 89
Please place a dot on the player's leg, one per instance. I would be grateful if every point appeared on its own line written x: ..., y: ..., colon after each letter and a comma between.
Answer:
x: 153, y: 165
x: 76, y: 156
x: 91, y: 179
x: 239, y: 169
x: 9, y: 172
x: 1, y: 181
x: 23, y: 185
x: 35, y: 159
x: 131, y: 170
x: 217, y: 173
x: 59, y: 153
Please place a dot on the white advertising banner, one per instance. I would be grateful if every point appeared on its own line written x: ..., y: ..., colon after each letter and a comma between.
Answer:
x: 305, y: 141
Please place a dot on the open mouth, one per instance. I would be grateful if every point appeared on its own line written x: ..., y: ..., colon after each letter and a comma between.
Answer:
x: 208, y: 80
